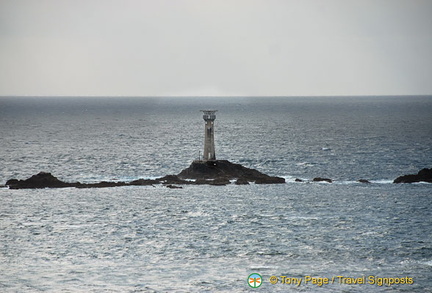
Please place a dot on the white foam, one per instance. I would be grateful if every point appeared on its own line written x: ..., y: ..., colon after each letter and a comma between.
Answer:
x: 291, y: 179
x: 428, y: 262
x: 382, y: 181
x: 346, y: 182
x: 306, y: 164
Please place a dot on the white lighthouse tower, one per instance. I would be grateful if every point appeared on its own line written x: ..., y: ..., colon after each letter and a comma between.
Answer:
x: 209, y: 147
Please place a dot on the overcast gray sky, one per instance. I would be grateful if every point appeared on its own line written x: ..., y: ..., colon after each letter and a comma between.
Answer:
x: 200, y: 47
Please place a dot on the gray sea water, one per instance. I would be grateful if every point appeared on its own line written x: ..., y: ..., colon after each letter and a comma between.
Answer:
x: 211, y: 238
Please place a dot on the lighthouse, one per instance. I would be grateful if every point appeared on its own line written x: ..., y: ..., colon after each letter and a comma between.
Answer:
x: 209, y: 147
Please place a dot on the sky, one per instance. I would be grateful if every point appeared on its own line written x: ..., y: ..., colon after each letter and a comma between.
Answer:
x: 215, y: 48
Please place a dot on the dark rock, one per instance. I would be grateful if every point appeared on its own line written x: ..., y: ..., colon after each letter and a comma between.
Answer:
x: 320, y: 179
x: 226, y: 169
x: 363, y: 181
x: 173, y: 186
x: 218, y: 172
x: 12, y: 182
x: 143, y: 182
x: 172, y: 179
x: 201, y: 181
x: 41, y: 180
x: 270, y: 180
x: 424, y: 175
x: 242, y: 181
x: 101, y: 184
x: 219, y: 181
x: 298, y: 180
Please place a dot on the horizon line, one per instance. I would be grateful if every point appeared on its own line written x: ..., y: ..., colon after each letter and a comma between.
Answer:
x: 209, y: 96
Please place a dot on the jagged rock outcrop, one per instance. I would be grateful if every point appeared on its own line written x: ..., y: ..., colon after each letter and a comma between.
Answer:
x: 225, y: 169
x: 424, y: 175
x: 47, y: 180
x: 40, y: 180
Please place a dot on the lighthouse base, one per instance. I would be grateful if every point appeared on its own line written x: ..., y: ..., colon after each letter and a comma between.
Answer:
x: 218, y: 169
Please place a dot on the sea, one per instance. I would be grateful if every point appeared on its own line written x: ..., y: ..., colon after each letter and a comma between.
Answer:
x: 307, y: 236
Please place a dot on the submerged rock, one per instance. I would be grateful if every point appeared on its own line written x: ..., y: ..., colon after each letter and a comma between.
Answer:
x: 173, y: 186
x: 101, y: 184
x: 269, y: 180
x: 320, y: 179
x: 424, y: 175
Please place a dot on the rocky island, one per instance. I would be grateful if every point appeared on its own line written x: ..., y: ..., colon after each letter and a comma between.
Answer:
x: 205, y: 170
x: 225, y: 170
x: 218, y: 172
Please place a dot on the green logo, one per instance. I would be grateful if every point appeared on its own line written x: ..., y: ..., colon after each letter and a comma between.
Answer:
x: 254, y: 280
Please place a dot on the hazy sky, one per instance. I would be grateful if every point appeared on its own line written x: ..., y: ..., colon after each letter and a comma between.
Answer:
x: 200, y: 47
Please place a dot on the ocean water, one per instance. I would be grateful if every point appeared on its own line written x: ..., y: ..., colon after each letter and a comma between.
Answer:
x: 211, y: 238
